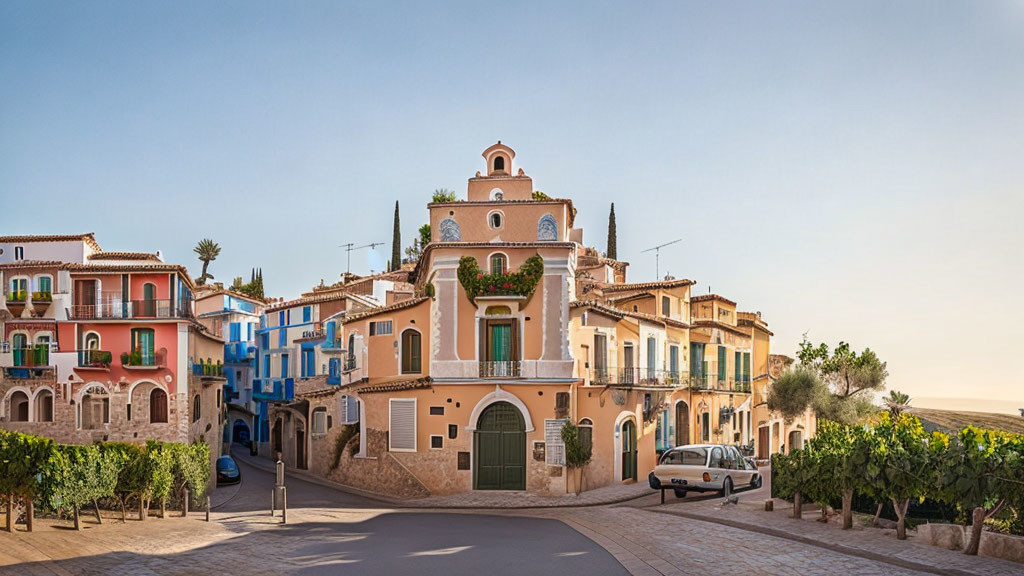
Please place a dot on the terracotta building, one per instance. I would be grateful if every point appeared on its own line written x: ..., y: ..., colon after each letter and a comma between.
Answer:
x: 103, y: 345
x: 510, y: 326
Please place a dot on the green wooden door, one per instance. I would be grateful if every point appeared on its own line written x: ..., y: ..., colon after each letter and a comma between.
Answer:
x: 499, y: 448
x: 628, y: 450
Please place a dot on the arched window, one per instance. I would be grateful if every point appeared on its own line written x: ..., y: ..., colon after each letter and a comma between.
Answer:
x: 148, y: 303
x: 18, y: 404
x: 350, y: 358
x: 499, y: 163
x: 411, y: 358
x: 586, y: 427
x: 499, y: 264
x: 44, y: 406
x: 495, y: 220
x: 197, y: 408
x: 158, y: 406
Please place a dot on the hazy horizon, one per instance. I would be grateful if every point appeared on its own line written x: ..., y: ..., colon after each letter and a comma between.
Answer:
x: 851, y: 170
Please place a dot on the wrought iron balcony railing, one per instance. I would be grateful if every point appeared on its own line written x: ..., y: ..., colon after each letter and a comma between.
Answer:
x: 501, y: 369
x: 130, y: 310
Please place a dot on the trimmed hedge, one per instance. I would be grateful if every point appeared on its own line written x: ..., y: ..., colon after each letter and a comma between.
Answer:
x: 66, y: 478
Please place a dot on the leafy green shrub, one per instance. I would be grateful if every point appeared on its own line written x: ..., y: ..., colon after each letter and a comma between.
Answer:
x: 22, y: 457
x: 17, y: 296
x: 443, y: 196
x: 577, y: 451
x: 428, y: 290
x: 78, y: 475
x: 348, y: 431
x: 521, y: 283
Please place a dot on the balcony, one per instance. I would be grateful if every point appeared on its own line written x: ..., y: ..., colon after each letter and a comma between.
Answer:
x: 700, y: 382
x: 130, y: 310
x: 637, y: 377
x: 94, y: 359
x: 16, y: 301
x: 501, y: 369
x: 239, y: 353
x: 273, y: 389
x: 349, y: 365
x: 141, y: 360
x: 208, y: 369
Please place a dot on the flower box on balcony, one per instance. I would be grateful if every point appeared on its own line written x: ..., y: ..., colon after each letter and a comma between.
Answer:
x: 94, y: 360
x: 16, y: 302
x: 522, y: 283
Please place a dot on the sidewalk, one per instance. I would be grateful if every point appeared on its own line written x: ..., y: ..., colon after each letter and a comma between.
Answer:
x: 475, y: 500
x: 862, y: 540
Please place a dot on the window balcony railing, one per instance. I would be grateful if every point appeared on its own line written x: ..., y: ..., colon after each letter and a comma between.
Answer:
x: 238, y: 352
x: 208, y: 369
x: 501, y: 369
x: 99, y: 359
x: 349, y: 365
x: 700, y: 382
x: 34, y: 357
x: 140, y: 359
x: 273, y: 389
x: 130, y: 310
x: 638, y: 377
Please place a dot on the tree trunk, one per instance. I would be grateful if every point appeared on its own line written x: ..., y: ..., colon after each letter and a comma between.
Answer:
x: 10, y: 513
x: 124, y: 513
x: 30, y: 514
x: 824, y: 513
x: 78, y: 523
x: 163, y: 508
x: 977, y: 522
x: 798, y: 506
x: 878, y: 514
x: 96, y: 506
x: 901, y: 517
x: 847, y: 509
x: 142, y: 509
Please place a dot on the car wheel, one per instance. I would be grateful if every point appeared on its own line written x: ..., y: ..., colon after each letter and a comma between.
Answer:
x: 653, y: 481
x: 757, y: 483
x: 680, y: 493
x: 726, y: 487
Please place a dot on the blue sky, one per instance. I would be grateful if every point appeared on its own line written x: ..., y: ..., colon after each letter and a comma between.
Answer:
x: 852, y: 170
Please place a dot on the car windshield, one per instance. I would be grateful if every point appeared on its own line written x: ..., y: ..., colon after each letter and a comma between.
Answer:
x: 688, y: 456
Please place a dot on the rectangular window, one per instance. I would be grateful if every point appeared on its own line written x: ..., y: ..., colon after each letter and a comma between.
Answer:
x: 673, y: 361
x: 402, y: 425
x: 437, y: 410
x: 235, y: 332
x: 320, y: 421
x: 436, y: 442
x: 600, y: 354
x: 45, y: 284
x: 307, y: 313
x: 411, y: 360
x: 284, y: 365
x: 308, y: 363
x: 737, y: 366
x: 265, y: 341
x: 282, y: 338
x: 280, y: 318
x: 453, y: 431
x: 348, y: 408
x: 381, y: 328
x: 721, y: 364
x: 666, y: 306
x: 19, y: 252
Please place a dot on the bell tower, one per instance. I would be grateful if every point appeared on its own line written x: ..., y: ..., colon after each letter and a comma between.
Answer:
x: 500, y: 183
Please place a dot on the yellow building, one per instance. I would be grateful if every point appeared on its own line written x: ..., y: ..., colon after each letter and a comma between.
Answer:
x: 513, y: 327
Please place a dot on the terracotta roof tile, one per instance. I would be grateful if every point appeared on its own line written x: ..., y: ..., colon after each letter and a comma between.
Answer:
x: 124, y: 256
x: 34, y: 265
x: 647, y: 285
x: 139, y: 267
x: 89, y: 238
x: 709, y: 297
x: 396, y: 386
x: 721, y: 325
x: 385, y: 309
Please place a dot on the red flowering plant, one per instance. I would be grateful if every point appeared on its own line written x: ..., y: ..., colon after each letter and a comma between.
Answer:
x: 521, y: 283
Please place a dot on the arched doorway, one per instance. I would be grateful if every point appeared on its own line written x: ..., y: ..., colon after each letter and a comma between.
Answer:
x: 499, y: 448
x: 628, y: 450
x: 682, y: 424
x: 18, y: 406
x: 240, y: 432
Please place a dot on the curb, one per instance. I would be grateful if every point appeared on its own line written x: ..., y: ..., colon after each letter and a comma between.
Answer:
x: 266, y: 466
x: 839, y: 548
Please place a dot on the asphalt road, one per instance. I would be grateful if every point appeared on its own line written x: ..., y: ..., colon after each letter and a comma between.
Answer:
x: 412, y: 542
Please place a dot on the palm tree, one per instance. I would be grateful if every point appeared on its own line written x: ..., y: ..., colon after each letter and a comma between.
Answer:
x: 208, y: 251
x: 897, y: 403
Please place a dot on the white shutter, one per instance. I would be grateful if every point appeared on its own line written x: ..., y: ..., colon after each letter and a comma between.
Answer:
x: 348, y: 409
x: 319, y: 422
x: 554, y: 449
x: 402, y: 427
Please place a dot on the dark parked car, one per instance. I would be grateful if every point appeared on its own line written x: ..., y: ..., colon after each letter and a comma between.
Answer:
x: 227, y: 471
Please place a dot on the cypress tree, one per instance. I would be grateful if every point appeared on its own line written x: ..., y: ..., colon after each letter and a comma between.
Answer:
x: 396, y: 243
x: 613, y: 251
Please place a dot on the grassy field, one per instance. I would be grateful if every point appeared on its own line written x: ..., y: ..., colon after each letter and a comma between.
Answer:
x: 947, y: 420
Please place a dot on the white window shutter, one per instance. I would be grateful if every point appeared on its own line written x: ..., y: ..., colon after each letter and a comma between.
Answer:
x: 554, y: 451
x: 402, y: 428
x: 353, y: 410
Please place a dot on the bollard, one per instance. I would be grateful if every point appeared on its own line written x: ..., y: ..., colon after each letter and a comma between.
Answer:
x: 207, y: 508
x: 184, y: 505
x: 769, y: 505
x: 280, y: 473
x: 284, y: 505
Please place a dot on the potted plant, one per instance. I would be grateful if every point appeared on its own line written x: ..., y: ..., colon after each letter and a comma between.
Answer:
x: 125, y: 358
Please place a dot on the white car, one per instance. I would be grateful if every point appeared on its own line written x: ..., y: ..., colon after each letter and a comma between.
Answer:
x: 704, y: 468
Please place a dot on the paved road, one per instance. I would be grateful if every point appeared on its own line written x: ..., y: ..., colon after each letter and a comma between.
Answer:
x: 360, y: 536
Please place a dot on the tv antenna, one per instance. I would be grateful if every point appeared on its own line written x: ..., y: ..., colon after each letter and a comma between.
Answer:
x: 657, y: 254
x: 351, y: 246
